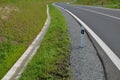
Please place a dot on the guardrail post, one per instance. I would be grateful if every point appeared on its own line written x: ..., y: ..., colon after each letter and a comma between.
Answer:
x: 82, y: 35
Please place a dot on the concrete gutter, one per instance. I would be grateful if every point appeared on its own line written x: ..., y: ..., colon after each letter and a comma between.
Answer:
x: 15, y: 72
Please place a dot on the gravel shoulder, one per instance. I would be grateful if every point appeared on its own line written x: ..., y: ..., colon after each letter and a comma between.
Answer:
x: 85, y: 63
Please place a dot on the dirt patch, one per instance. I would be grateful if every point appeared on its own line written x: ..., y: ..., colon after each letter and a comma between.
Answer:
x: 5, y: 39
x: 2, y: 39
x: 5, y: 11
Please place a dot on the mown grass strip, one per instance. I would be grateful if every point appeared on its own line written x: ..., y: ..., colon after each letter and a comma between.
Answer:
x: 104, y: 3
x: 52, y: 59
x: 114, y: 6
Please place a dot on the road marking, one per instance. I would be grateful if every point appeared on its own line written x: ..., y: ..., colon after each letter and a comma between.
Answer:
x: 32, y: 49
x: 99, y: 13
x: 101, y: 43
x: 95, y: 7
x: 105, y: 8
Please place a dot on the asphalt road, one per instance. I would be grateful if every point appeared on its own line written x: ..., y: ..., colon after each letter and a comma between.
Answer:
x: 104, y: 22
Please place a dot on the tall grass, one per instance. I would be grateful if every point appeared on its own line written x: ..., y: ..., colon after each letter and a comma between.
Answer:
x: 52, y: 59
x: 19, y: 29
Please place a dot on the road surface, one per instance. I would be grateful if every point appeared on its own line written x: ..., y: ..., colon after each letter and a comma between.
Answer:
x: 106, y: 27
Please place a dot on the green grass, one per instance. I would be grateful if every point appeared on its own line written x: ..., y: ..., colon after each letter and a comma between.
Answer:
x: 19, y: 29
x: 113, y: 6
x: 98, y: 2
x: 52, y: 59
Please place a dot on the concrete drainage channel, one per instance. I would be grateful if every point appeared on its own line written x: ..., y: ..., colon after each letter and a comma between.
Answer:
x: 15, y: 72
x: 110, y: 70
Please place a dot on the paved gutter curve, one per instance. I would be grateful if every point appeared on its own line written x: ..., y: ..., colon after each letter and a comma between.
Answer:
x: 15, y: 72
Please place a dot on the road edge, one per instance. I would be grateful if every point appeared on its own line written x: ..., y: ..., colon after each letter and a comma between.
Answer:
x: 101, y: 43
x: 82, y: 49
x: 110, y: 67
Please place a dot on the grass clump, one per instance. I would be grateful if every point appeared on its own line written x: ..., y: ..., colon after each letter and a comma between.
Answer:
x: 52, y: 59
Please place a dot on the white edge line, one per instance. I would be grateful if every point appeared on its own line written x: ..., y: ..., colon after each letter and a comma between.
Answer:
x: 102, y: 44
x: 112, y: 9
x: 38, y: 39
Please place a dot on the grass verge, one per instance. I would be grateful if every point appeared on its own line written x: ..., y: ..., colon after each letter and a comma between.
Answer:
x: 20, y: 22
x: 114, y: 6
x: 103, y: 3
x: 52, y: 59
